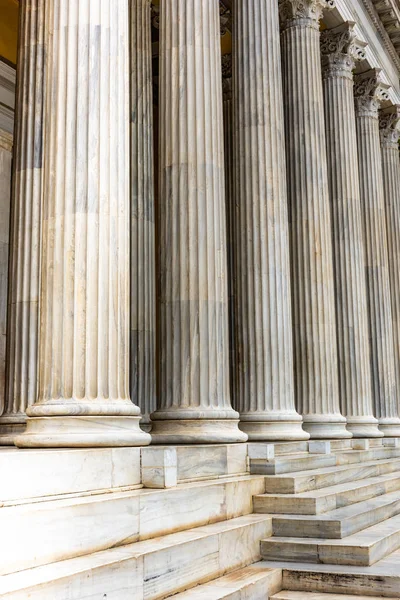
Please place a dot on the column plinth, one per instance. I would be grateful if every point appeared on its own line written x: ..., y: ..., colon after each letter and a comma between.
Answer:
x: 83, y: 397
x: 390, y: 134
x: 142, y: 292
x: 313, y: 294
x: 339, y: 51
x: 194, y: 400
x: 369, y: 93
x: 25, y: 230
x: 264, y: 354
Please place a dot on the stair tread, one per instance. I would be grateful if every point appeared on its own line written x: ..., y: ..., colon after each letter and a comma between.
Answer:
x: 234, y: 582
x: 68, y: 567
x: 328, y: 470
x: 365, y: 538
x: 347, y: 512
x: 288, y: 595
x: 340, y: 487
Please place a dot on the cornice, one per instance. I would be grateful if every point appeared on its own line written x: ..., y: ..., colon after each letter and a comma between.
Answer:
x: 384, y: 26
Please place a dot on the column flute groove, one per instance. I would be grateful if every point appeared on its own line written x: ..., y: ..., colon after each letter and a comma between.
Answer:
x: 26, y: 207
x: 142, y: 291
x: 339, y: 51
x: 194, y: 400
x: 313, y: 295
x: 264, y: 358
x: 390, y: 134
x: 83, y: 397
x: 369, y: 93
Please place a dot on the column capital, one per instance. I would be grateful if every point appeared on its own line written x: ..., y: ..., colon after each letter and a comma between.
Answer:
x: 303, y: 11
x: 369, y: 93
x: 227, y: 76
x: 389, y: 124
x: 340, y: 49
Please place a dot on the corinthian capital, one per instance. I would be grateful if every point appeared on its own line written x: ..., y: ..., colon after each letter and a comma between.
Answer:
x: 389, y: 124
x: 311, y: 10
x: 340, y: 50
x: 227, y: 76
x: 369, y: 93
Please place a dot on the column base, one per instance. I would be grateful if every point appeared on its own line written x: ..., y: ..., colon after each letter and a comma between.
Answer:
x: 10, y: 427
x: 364, y: 427
x: 269, y: 428
x: 390, y: 427
x: 196, y: 431
x: 326, y: 427
x: 82, y: 432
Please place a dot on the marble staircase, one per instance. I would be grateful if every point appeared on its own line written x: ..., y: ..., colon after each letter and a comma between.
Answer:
x: 227, y: 528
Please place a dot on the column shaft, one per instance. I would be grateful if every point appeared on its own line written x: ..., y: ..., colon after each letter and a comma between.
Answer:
x: 390, y: 133
x: 339, y: 52
x: 142, y: 292
x: 369, y: 93
x: 264, y: 358
x: 315, y: 346
x: 230, y: 207
x: 26, y: 207
x: 83, y: 397
x: 194, y: 399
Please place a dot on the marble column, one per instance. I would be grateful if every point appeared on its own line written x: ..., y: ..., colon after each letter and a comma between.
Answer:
x: 83, y: 397
x: 368, y: 96
x: 313, y: 294
x: 390, y: 135
x: 24, y: 265
x: 264, y: 358
x: 194, y: 400
x: 230, y: 205
x: 340, y: 51
x: 6, y: 146
x: 142, y: 292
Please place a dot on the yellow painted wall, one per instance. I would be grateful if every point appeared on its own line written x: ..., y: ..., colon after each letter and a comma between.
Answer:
x: 9, y: 29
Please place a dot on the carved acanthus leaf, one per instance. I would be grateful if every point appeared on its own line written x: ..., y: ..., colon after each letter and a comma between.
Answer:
x: 303, y: 9
x: 389, y: 124
x: 369, y: 93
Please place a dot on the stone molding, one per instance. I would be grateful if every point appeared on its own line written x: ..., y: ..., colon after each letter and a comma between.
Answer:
x: 6, y: 140
x: 389, y: 124
x: 303, y: 11
x: 369, y: 93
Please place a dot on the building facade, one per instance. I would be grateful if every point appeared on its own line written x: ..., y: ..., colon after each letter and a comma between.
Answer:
x: 199, y: 298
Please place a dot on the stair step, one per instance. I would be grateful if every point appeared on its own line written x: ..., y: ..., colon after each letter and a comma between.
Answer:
x: 291, y: 463
x: 286, y: 595
x: 341, y: 522
x: 153, y: 569
x: 252, y: 583
x: 349, y: 457
x: 323, y: 500
x: 308, y: 480
x: 381, y: 579
x: 363, y: 548
x: 109, y: 520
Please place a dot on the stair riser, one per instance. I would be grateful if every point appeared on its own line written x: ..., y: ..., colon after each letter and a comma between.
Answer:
x: 343, y: 583
x: 333, y: 555
x: 294, y: 505
x: 101, y: 523
x: 158, y: 573
x: 296, y: 485
x: 319, y: 528
x: 288, y: 465
x: 347, y: 458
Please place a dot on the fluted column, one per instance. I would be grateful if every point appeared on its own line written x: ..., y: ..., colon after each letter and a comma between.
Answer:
x: 368, y: 96
x: 230, y: 205
x: 6, y: 148
x: 390, y: 134
x: 315, y: 347
x: 339, y: 53
x: 264, y: 358
x: 83, y: 397
x: 194, y: 400
x: 142, y: 292
x: 24, y: 264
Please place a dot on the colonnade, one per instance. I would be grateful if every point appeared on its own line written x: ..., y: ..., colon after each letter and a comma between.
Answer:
x: 275, y: 311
